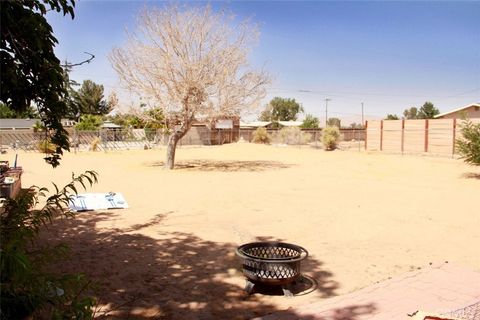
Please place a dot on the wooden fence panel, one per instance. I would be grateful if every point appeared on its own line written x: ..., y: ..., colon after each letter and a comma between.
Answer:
x: 373, y: 135
x: 392, y: 136
x: 440, y: 136
x: 435, y: 136
x: 414, y: 136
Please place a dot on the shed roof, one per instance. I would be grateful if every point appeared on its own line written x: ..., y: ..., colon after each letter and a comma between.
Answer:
x: 254, y: 124
x: 457, y: 110
x: 17, y: 123
x: 290, y: 123
x: 110, y: 125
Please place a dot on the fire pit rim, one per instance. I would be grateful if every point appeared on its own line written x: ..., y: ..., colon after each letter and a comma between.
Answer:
x: 303, y: 253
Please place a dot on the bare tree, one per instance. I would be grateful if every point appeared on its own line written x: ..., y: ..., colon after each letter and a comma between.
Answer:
x: 192, y: 63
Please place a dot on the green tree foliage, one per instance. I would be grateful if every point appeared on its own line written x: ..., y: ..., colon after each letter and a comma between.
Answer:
x: 149, y: 119
x: 89, y: 122
x: 281, y: 109
x: 411, y: 113
x: 469, y: 145
x: 128, y: 120
x: 31, y: 73
x: 333, y: 122
x: 330, y: 137
x: 427, y: 111
x: 89, y: 99
x: 8, y: 113
x: 392, y: 117
x: 28, y: 289
x: 153, y: 119
x: 310, y: 122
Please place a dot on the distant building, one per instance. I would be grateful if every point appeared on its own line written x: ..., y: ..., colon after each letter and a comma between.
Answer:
x: 110, y: 125
x: 471, y: 111
x: 27, y: 124
x: 269, y: 124
x: 17, y: 124
x: 290, y: 123
x: 255, y: 124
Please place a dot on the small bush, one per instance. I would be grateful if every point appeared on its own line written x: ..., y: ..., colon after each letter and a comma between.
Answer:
x: 469, y: 145
x: 261, y: 136
x: 330, y: 137
x: 46, y: 146
x: 291, y: 136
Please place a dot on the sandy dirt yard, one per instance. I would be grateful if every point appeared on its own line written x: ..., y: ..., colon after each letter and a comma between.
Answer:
x: 363, y: 218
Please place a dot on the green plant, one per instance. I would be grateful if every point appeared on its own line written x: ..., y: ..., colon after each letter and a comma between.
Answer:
x: 261, y: 136
x: 27, y: 289
x: 469, y: 145
x: 330, y: 137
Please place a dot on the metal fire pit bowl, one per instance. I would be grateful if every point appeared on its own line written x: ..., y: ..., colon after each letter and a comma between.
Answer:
x: 271, y: 263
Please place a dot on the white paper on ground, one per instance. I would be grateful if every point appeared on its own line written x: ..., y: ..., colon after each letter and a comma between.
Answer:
x: 98, y: 201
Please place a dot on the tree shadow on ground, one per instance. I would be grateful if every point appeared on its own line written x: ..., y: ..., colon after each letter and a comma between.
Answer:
x: 179, y: 276
x: 352, y: 312
x: 471, y: 175
x: 225, y: 166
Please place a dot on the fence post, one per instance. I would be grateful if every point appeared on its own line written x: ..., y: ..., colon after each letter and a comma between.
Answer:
x: 366, y: 131
x: 381, y: 135
x: 75, y: 140
x: 403, y: 135
x: 426, y: 136
x: 454, y: 135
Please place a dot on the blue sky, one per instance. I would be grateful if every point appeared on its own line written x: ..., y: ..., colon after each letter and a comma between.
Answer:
x: 388, y: 55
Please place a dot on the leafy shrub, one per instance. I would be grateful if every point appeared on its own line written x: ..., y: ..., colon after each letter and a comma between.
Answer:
x: 261, y: 136
x: 27, y: 289
x: 469, y: 145
x: 330, y: 137
x: 46, y: 146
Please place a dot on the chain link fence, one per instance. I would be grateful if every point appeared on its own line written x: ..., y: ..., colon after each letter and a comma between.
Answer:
x: 349, y: 138
x: 124, y: 139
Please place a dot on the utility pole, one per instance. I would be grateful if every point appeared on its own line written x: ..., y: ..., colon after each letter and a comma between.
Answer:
x: 326, y: 111
x: 362, y: 115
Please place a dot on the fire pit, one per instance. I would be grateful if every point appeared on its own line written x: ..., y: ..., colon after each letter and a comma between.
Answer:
x: 271, y: 263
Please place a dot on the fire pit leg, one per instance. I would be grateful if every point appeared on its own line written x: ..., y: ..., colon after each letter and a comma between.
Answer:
x: 287, y: 292
x: 249, y: 286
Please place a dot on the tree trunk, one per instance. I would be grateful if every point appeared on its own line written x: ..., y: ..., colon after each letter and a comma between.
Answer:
x: 173, y: 139
x: 171, y: 148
